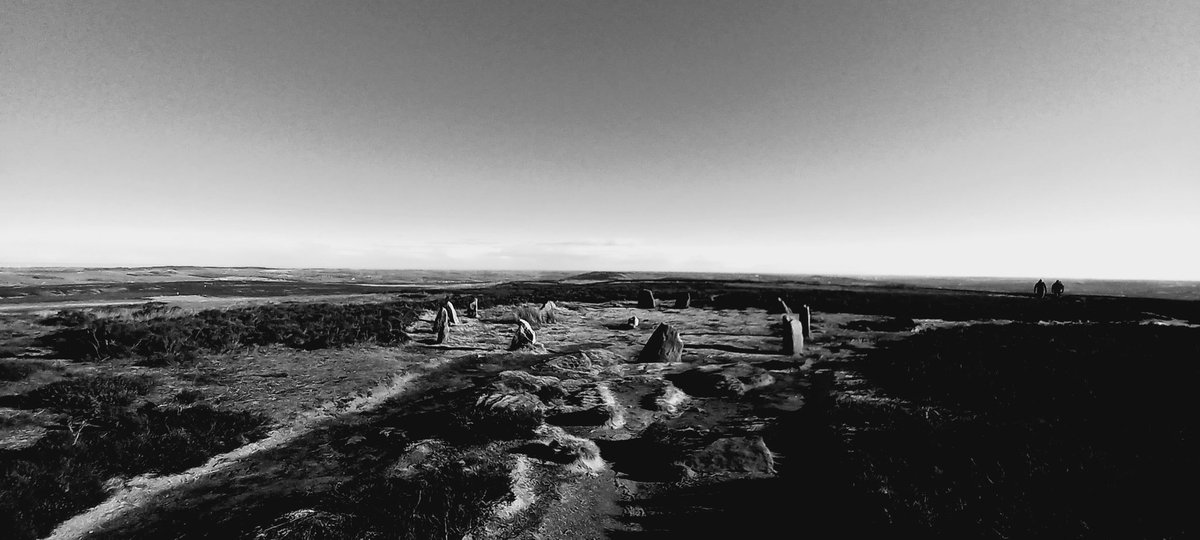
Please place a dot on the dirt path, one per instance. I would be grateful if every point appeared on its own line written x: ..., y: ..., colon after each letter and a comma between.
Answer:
x: 141, y: 490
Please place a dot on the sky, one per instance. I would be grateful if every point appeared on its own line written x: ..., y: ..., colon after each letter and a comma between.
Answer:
x: 959, y: 138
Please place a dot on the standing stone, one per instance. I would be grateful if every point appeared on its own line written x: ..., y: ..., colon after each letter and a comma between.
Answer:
x: 664, y: 346
x: 473, y: 308
x: 683, y: 301
x: 806, y: 320
x: 548, y: 314
x: 634, y: 322
x: 793, y: 337
x: 441, y: 325
x: 453, y: 314
x: 786, y: 309
x: 645, y: 299
x: 523, y: 337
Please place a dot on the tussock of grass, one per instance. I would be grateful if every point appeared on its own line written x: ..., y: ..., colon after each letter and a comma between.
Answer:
x: 16, y: 370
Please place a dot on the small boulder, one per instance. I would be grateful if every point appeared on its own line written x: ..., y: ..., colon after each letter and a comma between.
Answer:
x: 633, y: 322
x: 473, y: 308
x: 646, y: 299
x: 664, y: 345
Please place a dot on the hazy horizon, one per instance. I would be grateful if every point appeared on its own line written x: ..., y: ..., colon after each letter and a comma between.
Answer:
x: 926, y: 138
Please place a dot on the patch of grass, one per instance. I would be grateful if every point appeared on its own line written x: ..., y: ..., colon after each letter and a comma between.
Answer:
x: 179, y: 339
x: 87, y: 394
x: 528, y: 314
x: 14, y: 370
x: 64, y: 473
x: 1025, y: 430
x: 448, y: 502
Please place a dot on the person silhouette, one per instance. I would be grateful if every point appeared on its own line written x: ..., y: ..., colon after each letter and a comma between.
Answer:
x: 1040, y: 289
x: 1058, y: 288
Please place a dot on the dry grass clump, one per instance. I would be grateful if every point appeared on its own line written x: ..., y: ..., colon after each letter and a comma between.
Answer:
x: 534, y: 316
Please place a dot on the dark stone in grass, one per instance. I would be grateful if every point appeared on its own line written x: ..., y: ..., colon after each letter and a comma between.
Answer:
x: 683, y: 301
x: 646, y: 299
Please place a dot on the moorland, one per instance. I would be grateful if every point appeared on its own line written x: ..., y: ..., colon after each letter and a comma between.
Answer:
x: 190, y: 402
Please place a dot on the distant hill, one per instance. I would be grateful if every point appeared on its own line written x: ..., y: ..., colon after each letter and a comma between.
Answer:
x: 598, y: 276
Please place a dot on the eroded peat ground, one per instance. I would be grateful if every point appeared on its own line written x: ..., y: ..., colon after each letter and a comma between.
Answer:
x: 982, y: 417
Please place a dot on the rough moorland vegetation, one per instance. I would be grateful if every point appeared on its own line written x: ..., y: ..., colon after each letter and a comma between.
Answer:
x: 175, y: 338
x: 108, y: 432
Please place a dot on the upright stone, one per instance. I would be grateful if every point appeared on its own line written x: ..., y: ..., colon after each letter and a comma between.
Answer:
x: 548, y: 314
x: 441, y: 325
x: 523, y: 337
x: 793, y: 337
x: 646, y: 299
x: 806, y: 320
x: 453, y: 314
x: 683, y: 301
x: 786, y: 309
x: 664, y: 345
x: 473, y: 308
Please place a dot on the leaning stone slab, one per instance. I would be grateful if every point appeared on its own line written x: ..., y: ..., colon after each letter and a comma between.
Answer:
x: 453, y: 314
x: 664, y: 345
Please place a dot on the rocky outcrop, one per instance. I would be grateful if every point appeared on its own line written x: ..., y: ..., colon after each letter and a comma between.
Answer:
x: 732, y: 455
x: 667, y: 398
x: 722, y: 381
